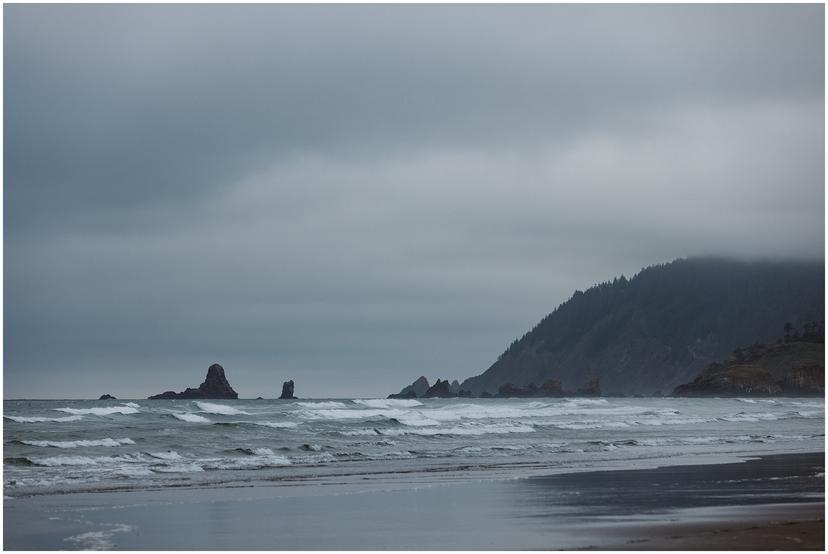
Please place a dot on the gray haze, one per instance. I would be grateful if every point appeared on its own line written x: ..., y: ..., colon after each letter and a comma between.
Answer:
x: 353, y: 196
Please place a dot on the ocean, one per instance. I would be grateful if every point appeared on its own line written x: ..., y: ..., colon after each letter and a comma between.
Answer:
x: 64, y: 446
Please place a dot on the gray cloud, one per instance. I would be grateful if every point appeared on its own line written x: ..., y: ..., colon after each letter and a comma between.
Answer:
x: 356, y: 195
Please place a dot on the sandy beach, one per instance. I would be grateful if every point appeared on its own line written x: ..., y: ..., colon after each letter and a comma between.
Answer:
x: 773, y: 502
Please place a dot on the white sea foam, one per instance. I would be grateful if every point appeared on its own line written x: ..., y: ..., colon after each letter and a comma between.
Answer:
x: 750, y: 417
x: 178, y: 468
x: 335, y: 414
x: 579, y: 425
x: 417, y: 419
x: 389, y: 402
x: 80, y: 443
x: 220, y: 409
x: 133, y: 471
x: 322, y: 405
x: 747, y: 400
x: 321, y: 458
x: 260, y: 458
x: 132, y: 405
x: 277, y: 424
x: 124, y: 410
x: 359, y: 432
x: 262, y: 452
x: 191, y: 418
x: 809, y: 404
x: 171, y: 455
x: 586, y: 401
x: 53, y: 461
x: 461, y: 430
x: 37, y: 419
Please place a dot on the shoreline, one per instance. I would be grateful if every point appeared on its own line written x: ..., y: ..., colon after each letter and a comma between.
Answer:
x: 673, y: 507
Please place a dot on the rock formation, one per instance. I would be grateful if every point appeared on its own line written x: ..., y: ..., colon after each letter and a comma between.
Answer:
x: 107, y: 397
x: 215, y: 385
x: 591, y: 388
x: 786, y: 368
x: 550, y: 388
x: 415, y: 390
x: 440, y: 389
x: 287, y: 391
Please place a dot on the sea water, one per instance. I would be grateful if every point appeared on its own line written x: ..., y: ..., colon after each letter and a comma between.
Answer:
x: 60, y: 446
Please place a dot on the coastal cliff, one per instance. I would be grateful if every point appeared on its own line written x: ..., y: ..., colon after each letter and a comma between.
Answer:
x: 651, y: 333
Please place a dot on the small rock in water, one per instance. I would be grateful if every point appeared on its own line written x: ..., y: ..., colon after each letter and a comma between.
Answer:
x: 107, y: 397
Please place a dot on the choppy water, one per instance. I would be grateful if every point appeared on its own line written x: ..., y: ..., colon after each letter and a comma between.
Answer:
x: 59, y: 446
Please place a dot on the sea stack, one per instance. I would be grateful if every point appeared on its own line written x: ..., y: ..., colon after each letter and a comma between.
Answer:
x: 415, y: 390
x: 107, y: 397
x: 215, y: 386
x: 287, y: 391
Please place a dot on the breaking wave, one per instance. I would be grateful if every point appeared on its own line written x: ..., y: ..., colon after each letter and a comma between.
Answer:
x: 219, y: 409
x: 190, y: 418
x: 36, y: 419
x: 79, y: 443
x: 124, y: 410
x: 389, y: 403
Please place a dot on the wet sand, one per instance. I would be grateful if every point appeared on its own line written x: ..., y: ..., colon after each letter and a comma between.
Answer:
x: 772, y: 502
x: 765, y: 527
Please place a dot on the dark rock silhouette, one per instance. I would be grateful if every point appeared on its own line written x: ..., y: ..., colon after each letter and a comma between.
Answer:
x: 415, y: 390
x: 287, y: 391
x: 166, y: 395
x: 454, y: 387
x: 107, y: 397
x: 440, y: 389
x: 215, y: 385
x: 550, y: 388
x: 591, y: 388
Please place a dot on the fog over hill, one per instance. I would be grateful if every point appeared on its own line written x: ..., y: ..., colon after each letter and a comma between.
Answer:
x: 659, y: 329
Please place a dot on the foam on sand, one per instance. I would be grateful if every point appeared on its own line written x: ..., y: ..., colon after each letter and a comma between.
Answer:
x: 99, y: 540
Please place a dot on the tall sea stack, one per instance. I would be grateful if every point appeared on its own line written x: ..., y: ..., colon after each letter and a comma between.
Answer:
x: 287, y: 391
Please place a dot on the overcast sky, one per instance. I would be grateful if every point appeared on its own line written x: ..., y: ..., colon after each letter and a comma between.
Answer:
x: 353, y: 196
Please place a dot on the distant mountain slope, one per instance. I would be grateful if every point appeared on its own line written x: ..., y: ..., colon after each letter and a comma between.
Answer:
x: 662, y: 327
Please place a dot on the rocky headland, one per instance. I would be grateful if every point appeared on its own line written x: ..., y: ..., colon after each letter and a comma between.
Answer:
x: 215, y: 386
x: 793, y: 366
x: 443, y: 389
